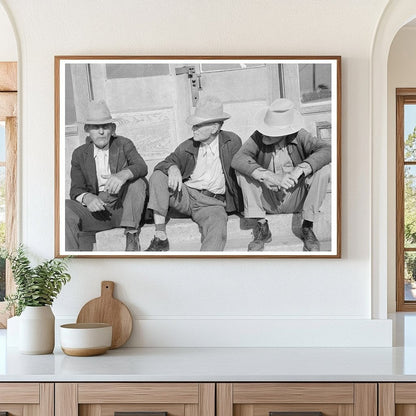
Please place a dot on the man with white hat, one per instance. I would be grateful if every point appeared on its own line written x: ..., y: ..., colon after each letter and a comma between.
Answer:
x: 107, y: 186
x: 282, y: 169
x: 197, y: 179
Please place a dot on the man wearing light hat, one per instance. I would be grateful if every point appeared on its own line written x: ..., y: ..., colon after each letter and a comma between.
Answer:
x: 107, y: 189
x: 197, y: 179
x: 282, y: 169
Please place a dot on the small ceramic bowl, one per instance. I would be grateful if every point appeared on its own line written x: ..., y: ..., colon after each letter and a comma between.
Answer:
x: 83, y: 340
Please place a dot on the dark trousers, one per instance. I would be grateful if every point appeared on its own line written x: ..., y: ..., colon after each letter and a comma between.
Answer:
x: 122, y: 210
x: 208, y: 212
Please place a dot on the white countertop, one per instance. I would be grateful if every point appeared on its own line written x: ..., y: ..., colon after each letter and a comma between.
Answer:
x: 215, y: 364
x: 222, y: 364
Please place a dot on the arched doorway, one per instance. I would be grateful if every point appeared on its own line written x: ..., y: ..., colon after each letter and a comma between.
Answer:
x: 395, y: 16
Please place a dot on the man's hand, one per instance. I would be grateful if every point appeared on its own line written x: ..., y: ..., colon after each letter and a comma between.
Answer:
x: 93, y: 203
x: 274, y: 181
x: 174, y: 178
x: 303, y: 168
x: 287, y: 181
x: 271, y: 180
x: 296, y: 173
x: 116, y: 181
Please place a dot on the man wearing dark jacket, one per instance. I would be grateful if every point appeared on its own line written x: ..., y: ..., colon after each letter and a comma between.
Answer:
x: 197, y: 179
x: 281, y: 169
x: 107, y: 189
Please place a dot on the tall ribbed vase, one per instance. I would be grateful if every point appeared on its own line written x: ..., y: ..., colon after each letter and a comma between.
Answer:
x: 37, y: 330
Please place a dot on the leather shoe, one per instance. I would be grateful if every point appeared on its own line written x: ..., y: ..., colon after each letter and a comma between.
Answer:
x: 158, y: 245
x: 310, y: 242
x: 261, y: 234
x: 132, y: 242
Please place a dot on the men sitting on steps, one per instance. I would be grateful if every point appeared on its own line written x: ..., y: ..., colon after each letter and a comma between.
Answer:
x: 107, y: 186
x: 197, y: 179
x: 282, y: 169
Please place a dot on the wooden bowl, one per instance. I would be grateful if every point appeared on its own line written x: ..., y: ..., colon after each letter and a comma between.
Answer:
x: 84, y: 340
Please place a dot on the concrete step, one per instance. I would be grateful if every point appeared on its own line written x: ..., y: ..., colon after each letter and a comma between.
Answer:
x: 184, y: 234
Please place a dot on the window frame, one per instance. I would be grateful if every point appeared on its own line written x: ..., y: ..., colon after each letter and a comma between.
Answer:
x: 403, y: 96
x: 290, y: 88
x: 8, y: 113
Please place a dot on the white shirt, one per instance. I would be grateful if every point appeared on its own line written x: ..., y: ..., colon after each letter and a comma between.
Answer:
x: 102, y: 167
x: 281, y: 161
x: 208, y: 173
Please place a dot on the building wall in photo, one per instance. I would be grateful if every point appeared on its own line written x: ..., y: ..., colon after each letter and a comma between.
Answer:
x: 151, y: 102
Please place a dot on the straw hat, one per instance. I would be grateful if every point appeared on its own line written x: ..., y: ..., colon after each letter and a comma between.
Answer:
x: 98, y: 113
x: 279, y: 119
x: 209, y: 109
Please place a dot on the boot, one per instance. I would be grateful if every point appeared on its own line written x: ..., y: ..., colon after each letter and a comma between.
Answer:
x: 261, y: 235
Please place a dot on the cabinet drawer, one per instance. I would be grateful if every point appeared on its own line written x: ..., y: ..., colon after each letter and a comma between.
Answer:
x: 397, y: 399
x: 138, y: 393
x: 268, y: 399
x: 21, y: 399
x: 107, y: 399
x: 19, y: 393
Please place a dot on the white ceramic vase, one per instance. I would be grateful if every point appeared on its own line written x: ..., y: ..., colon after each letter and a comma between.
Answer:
x: 37, y: 330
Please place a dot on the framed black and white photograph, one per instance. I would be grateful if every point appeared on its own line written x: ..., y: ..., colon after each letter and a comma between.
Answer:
x: 198, y: 156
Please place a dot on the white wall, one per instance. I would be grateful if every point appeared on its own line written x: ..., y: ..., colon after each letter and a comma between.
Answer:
x: 8, y: 46
x: 401, y: 74
x: 196, y: 302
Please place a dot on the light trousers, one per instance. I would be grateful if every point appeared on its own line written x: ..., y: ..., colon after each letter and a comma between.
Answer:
x: 208, y: 212
x: 306, y: 196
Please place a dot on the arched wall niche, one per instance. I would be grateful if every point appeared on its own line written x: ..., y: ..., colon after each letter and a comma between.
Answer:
x: 396, y: 15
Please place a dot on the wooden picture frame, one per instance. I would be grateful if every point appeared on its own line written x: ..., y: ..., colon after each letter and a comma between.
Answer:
x: 152, y: 97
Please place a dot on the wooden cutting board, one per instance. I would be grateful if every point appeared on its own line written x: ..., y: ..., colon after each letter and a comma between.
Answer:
x: 108, y: 310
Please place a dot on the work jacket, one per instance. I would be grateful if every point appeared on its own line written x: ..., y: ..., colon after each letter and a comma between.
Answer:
x: 185, y: 155
x: 122, y: 154
x: 301, y: 147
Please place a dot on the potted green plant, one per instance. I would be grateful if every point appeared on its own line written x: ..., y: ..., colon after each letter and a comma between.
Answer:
x: 36, y: 289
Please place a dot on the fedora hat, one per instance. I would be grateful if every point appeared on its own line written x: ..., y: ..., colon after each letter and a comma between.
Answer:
x: 209, y: 109
x: 279, y: 119
x: 98, y: 113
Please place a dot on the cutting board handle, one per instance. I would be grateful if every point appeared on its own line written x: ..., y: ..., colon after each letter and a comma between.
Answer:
x: 107, y: 289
